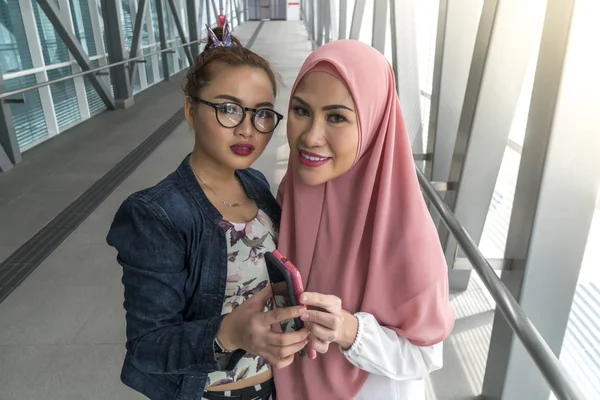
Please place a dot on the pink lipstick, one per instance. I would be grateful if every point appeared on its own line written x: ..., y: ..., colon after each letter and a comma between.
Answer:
x: 311, y: 159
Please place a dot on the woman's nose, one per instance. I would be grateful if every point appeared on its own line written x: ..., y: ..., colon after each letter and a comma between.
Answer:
x: 245, y: 129
x: 314, y: 136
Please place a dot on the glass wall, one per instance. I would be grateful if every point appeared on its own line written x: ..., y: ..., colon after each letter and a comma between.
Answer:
x: 15, y: 61
x: 32, y: 52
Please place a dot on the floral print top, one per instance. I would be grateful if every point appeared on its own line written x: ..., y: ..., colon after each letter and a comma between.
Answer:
x: 246, y: 275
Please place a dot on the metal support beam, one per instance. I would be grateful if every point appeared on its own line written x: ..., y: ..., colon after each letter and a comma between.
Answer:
x: 214, y: 6
x: 451, y: 71
x: 342, y: 20
x: 199, y: 27
x: 193, y: 26
x: 510, y: 58
x: 311, y: 22
x: 436, y: 84
x: 53, y: 14
x: 444, y: 186
x: 116, y: 53
x: 319, y: 20
x: 422, y: 156
x: 380, y: 9
x: 325, y: 9
x: 357, y: 17
x: 163, y: 38
x: 140, y: 15
x: 9, y: 148
x: 175, y: 14
x: 333, y: 23
x: 5, y: 162
x: 460, y: 279
x: 207, y: 5
x: 238, y: 13
x: 64, y: 7
x: 404, y: 62
x: 555, y: 197
x: 498, y: 264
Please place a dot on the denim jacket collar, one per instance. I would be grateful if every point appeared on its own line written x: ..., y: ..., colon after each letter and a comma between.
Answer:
x: 189, y: 178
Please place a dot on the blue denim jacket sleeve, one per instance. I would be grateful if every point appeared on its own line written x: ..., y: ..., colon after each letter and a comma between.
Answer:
x: 152, y: 255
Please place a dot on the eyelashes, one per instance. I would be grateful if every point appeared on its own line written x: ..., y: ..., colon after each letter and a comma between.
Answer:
x: 332, y: 117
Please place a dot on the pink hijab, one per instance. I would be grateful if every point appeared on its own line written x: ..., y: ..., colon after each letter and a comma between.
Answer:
x: 366, y: 236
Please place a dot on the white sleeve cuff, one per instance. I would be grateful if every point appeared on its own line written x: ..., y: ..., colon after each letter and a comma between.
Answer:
x: 354, y: 350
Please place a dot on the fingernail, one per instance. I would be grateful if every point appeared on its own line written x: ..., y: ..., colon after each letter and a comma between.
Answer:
x: 304, y: 317
x: 302, y: 309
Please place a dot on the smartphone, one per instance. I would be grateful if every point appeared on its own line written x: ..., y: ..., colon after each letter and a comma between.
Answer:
x: 297, y: 285
x: 287, y: 288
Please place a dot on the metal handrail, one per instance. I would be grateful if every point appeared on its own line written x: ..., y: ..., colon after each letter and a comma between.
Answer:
x: 548, y: 364
x: 93, y: 70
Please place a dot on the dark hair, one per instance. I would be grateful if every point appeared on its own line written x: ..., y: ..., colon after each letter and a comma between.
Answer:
x: 200, y: 74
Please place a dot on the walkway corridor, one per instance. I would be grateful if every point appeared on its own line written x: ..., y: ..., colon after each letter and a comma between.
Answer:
x: 62, y: 334
x: 62, y: 331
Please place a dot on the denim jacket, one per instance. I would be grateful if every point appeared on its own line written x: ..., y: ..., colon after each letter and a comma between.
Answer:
x: 174, y: 258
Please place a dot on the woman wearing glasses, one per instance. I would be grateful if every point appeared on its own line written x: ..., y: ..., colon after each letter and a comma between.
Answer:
x: 192, y: 246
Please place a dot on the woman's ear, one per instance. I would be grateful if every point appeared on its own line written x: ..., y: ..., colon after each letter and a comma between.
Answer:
x: 189, y: 110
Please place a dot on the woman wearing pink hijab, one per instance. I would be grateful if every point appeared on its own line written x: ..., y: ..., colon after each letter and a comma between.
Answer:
x: 355, y: 224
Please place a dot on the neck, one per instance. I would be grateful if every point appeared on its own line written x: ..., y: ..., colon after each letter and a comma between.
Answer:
x: 208, y: 170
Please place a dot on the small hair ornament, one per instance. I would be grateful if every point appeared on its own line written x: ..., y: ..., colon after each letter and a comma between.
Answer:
x: 226, y: 42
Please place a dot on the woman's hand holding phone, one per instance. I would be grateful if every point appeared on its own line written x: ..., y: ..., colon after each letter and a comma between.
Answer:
x: 248, y: 327
x: 328, y: 322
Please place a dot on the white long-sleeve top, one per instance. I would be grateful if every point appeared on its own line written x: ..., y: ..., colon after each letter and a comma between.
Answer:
x: 397, y: 368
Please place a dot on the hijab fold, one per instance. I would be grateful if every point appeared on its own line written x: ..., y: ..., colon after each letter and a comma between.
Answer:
x: 366, y: 236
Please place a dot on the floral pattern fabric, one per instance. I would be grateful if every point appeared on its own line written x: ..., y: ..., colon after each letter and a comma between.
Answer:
x: 246, y: 275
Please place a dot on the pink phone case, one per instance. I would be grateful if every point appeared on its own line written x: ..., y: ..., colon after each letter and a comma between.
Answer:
x: 298, y: 288
x: 296, y: 278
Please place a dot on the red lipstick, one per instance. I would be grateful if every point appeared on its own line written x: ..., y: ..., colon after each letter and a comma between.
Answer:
x: 242, y: 149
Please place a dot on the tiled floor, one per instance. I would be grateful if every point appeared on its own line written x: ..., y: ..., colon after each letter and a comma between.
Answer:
x: 62, y: 332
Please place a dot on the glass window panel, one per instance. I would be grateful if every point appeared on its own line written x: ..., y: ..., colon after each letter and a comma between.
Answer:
x: 127, y: 21
x: 14, y: 50
x: 28, y: 117
x: 64, y: 96
x: 53, y: 48
x: 95, y: 103
x: 82, y: 22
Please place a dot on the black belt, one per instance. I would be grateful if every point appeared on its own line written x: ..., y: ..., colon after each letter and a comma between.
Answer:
x: 262, y: 391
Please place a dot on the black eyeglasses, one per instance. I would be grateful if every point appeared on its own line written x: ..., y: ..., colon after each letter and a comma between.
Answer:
x: 230, y: 114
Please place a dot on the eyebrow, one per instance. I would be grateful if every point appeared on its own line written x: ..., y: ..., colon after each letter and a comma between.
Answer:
x: 232, y: 98
x: 324, y: 108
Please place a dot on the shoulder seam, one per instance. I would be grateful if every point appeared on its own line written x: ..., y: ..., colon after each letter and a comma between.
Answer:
x: 147, y: 197
x: 160, y: 214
